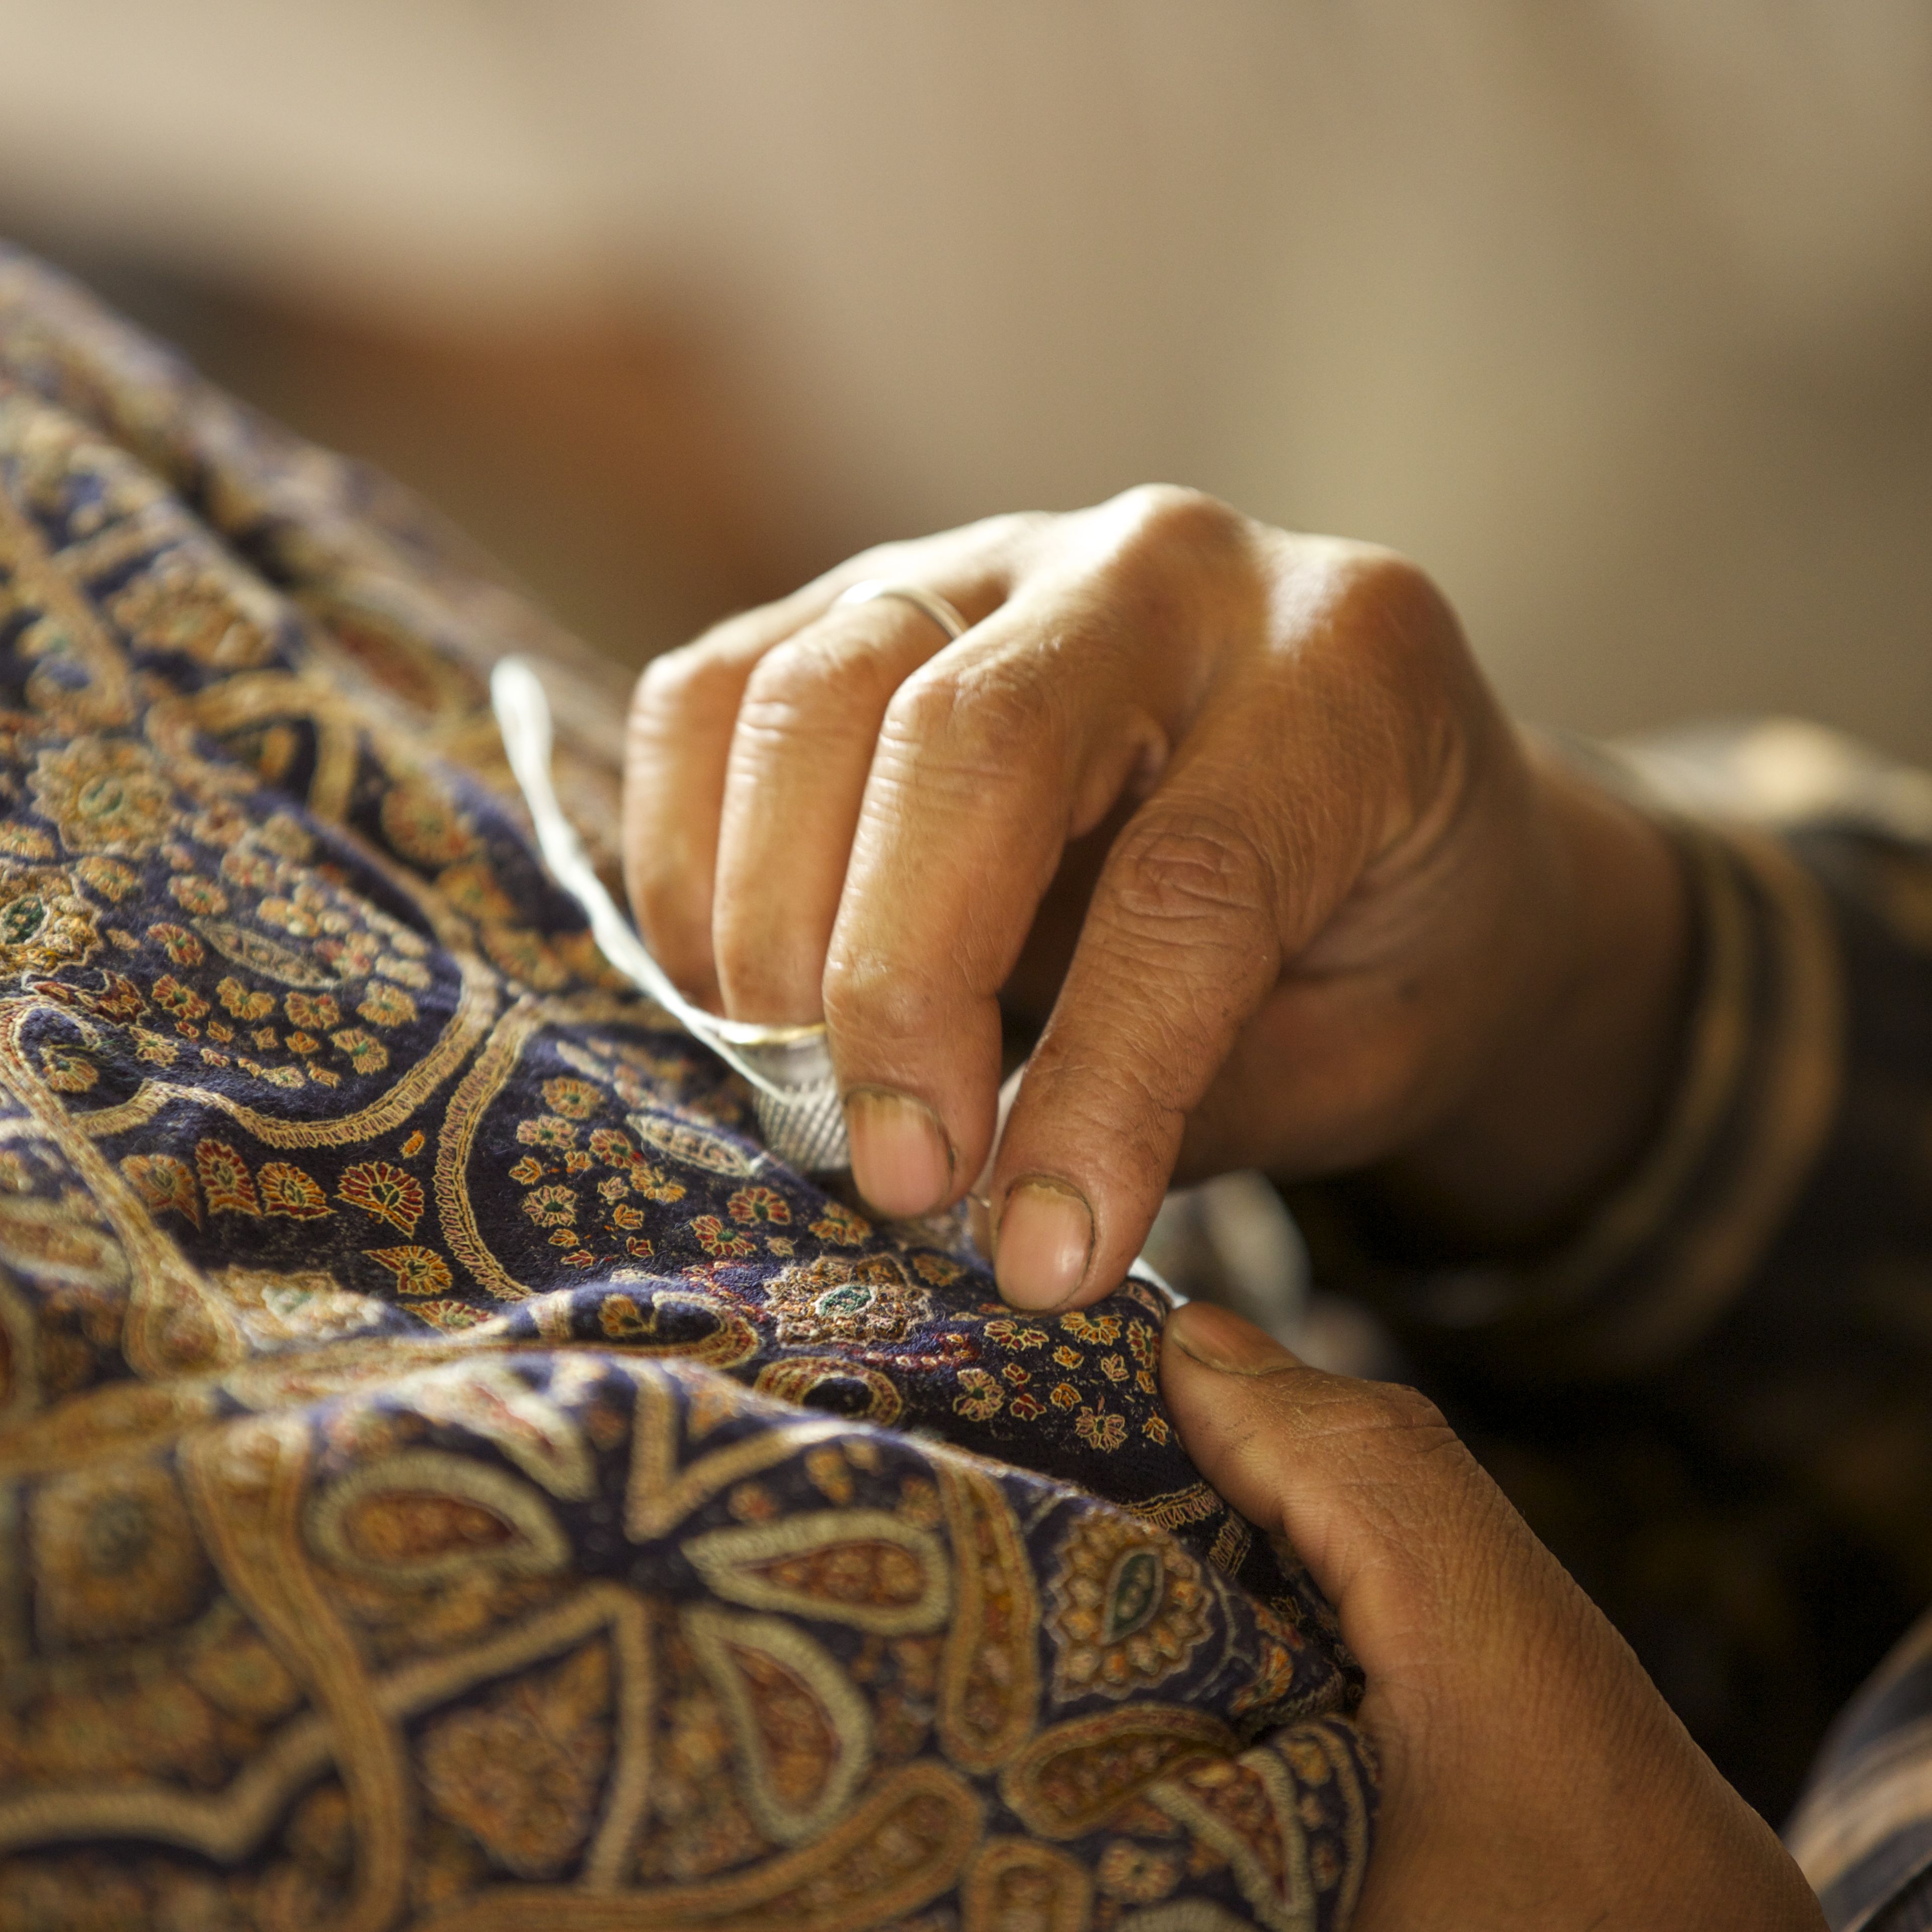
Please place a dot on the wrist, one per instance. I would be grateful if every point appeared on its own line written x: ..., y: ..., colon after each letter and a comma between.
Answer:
x: 1575, y: 1088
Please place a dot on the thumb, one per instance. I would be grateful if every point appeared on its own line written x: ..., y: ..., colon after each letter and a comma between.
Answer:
x: 1397, y: 1523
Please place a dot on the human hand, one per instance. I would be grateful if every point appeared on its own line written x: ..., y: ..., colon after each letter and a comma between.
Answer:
x: 1230, y: 812
x: 1531, y: 1777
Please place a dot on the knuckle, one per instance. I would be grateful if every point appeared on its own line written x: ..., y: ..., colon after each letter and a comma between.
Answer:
x: 680, y: 686
x: 880, y: 999
x: 1380, y: 600
x: 1165, y: 523
x: 981, y: 721
x: 787, y: 684
x: 1187, y: 868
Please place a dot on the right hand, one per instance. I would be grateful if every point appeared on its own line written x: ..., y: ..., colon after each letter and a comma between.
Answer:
x: 1532, y: 1779
x: 1228, y: 813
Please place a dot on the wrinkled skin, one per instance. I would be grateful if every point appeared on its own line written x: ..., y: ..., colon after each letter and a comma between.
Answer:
x: 1533, y: 1780
x: 1230, y: 816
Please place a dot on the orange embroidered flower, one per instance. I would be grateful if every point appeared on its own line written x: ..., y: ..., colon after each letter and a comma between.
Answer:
x: 841, y: 1227
x: 68, y: 1070
x: 312, y: 1011
x: 447, y: 1314
x: 612, y: 1146
x: 364, y: 1052
x: 1086, y: 1328
x: 547, y: 1131
x: 758, y: 1204
x: 528, y: 1171
x: 715, y: 1238
x: 286, y: 1189
x: 389, y: 1193
x: 180, y: 945
x: 183, y: 1002
x: 225, y: 1179
x: 163, y: 1182
x: 417, y: 1271
x: 577, y: 1100
x: 387, y: 1006
x: 198, y: 895
x: 245, y: 1005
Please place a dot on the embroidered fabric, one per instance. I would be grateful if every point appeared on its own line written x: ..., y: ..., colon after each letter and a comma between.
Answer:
x: 450, y: 1472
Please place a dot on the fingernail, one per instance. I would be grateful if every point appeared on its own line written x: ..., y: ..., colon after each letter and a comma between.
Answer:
x: 1044, y: 1238
x: 1217, y: 1339
x: 901, y: 1157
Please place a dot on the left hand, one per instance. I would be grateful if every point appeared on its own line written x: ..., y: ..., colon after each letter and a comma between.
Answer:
x: 1533, y: 1780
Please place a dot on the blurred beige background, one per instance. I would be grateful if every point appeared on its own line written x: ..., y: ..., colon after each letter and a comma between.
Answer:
x: 1617, y: 316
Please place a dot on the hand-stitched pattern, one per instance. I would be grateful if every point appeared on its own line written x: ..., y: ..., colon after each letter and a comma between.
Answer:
x: 449, y: 1472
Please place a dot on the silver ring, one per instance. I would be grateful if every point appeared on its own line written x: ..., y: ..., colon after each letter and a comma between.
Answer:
x: 935, y: 606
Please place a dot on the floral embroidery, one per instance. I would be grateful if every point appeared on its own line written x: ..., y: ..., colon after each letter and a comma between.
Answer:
x: 421, y: 820
x: 25, y: 841
x: 178, y: 943
x: 417, y: 1271
x: 1086, y: 1328
x: 1127, y: 1608
x: 243, y: 1004
x: 386, y: 1007
x: 1015, y: 1334
x: 315, y: 1012
x: 758, y: 1203
x: 715, y: 1238
x: 286, y: 1189
x: 547, y: 1131
x: 108, y: 877
x: 68, y: 1069
x: 528, y: 1171
x: 163, y: 1182
x: 833, y: 1300
x: 104, y: 794
x: 450, y: 1315
x: 841, y: 1227
x: 225, y: 1180
x: 364, y: 1052
x: 45, y: 924
x: 550, y: 1206
x: 1099, y: 1430
x: 198, y: 895
x: 576, y: 1099
x: 981, y: 1398
x: 389, y: 1193
x: 183, y: 1002
x: 197, y: 611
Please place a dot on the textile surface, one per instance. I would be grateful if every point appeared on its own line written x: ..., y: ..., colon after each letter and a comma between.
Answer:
x: 449, y: 1473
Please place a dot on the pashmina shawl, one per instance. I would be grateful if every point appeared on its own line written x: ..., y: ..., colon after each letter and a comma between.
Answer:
x: 450, y: 1473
